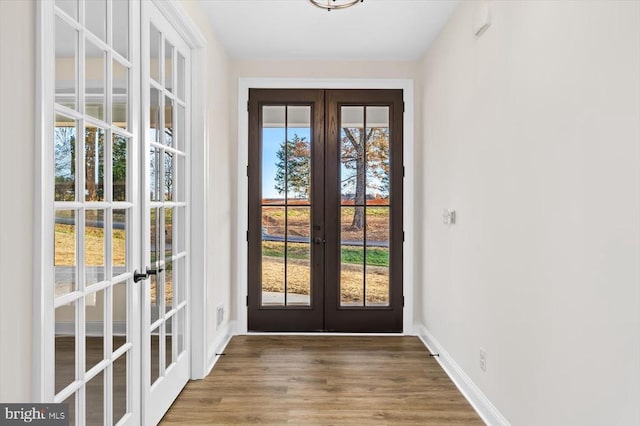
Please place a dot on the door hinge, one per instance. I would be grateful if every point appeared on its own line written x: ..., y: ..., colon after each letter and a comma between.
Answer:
x: 247, y: 105
x: 403, y: 301
x: 247, y: 236
x: 247, y: 171
x: 402, y: 106
x: 403, y: 236
x: 403, y: 171
x: 247, y: 300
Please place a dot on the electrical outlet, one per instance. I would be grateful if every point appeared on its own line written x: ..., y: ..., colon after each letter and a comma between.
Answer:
x: 219, y: 314
x: 483, y: 359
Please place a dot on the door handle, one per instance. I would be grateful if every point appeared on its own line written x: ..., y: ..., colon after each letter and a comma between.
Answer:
x: 137, y: 276
x: 318, y: 240
x: 154, y: 271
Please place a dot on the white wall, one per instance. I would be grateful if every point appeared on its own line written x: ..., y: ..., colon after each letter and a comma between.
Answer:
x: 220, y: 151
x: 532, y: 133
x: 17, y: 130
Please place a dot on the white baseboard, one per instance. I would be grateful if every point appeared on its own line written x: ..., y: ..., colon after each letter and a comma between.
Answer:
x: 222, y: 337
x: 485, y: 409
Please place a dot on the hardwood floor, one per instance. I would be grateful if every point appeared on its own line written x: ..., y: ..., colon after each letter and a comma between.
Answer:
x: 323, y: 380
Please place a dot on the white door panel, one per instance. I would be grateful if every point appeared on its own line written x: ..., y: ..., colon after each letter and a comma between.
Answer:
x: 165, y: 355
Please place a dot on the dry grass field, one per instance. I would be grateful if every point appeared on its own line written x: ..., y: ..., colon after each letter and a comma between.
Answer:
x: 352, y: 267
x: 298, y: 273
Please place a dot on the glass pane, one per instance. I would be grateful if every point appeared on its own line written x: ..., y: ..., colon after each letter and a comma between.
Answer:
x: 94, y: 246
x: 377, y: 256
x: 180, y: 175
x: 180, y: 128
x: 154, y: 115
x: 95, y: 400
x: 154, y: 174
x: 168, y: 253
x: 351, y: 261
x: 155, y: 355
x: 120, y: 23
x: 178, y: 281
x: 65, y: 346
x: 168, y: 66
x: 71, y: 403
x: 297, y: 155
x: 178, y: 229
x: 378, y: 155
x: 66, y: 64
x: 168, y: 176
x: 168, y: 121
x: 119, y: 156
x: 120, y: 100
x: 181, y: 328
x: 94, y: 328
x: 120, y: 390
x: 95, y: 66
x: 181, y: 73
x: 153, y: 294
x: 64, y: 258
x: 352, y: 156
x: 94, y: 163
x: 273, y: 154
x: 154, y: 223
x: 119, y: 314
x: 69, y: 6
x: 168, y: 285
x: 273, y: 249
x: 298, y: 256
x: 119, y: 241
x: 154, y: 52
x: 168, y: 339
x: 95, y: 15
x: 65, y: 158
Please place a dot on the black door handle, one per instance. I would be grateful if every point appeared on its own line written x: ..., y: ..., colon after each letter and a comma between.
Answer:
x: 137, y: 276
x: 154, y: 271
x: 318, y: 240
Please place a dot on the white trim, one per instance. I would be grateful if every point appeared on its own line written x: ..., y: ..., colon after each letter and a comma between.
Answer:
x: 183, y: 24
x: 220, y: 341
x: 483, y: 406
x: 242, y: 182
x: 43, y: 310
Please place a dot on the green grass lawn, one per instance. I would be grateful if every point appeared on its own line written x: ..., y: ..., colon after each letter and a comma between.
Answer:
x: 376, y: 256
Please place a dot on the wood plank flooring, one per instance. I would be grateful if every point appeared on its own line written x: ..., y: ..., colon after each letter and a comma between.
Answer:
x: 323, y: 380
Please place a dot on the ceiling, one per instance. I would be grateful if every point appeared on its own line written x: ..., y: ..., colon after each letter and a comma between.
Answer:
x: 295, y: 29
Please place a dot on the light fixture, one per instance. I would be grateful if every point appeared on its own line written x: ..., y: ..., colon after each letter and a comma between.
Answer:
x: 334, y: 4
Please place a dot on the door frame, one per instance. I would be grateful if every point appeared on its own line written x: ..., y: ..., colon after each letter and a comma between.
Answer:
x: 43, y: 310
x: 242, y: 201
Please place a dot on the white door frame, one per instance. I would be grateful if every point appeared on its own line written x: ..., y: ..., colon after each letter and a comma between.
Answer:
x: 244, y: 84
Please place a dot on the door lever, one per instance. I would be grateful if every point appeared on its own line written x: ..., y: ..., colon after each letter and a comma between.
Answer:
x: 154, y: 271
x: 137, y: 276
x: 318, y: 240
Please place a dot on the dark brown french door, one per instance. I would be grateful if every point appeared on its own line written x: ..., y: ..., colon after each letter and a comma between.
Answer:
x: 325, y: 210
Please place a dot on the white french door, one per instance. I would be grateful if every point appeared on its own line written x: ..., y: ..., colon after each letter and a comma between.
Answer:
x: 91, y: 211
x: 114, y: 200
x: 165, y: 348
